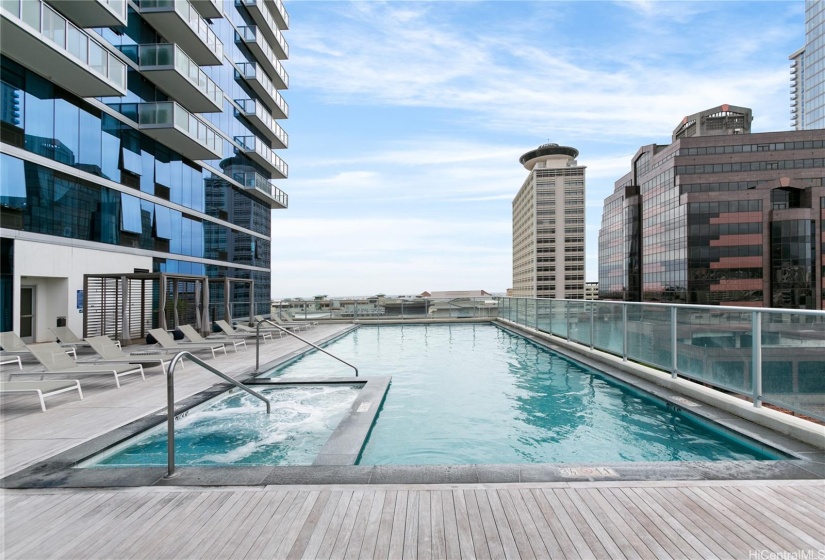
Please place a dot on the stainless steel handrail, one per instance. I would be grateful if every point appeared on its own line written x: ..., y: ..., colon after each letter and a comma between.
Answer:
x: 170, y: 402
x: 289, y: 332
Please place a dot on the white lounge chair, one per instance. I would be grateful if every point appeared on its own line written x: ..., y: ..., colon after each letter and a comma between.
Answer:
x: 287, y: 325
x: 111, y: 353
x: 65, y: 335
x: 242, y: 331
x: 5, y: 360
x: 57, y: 362
x: 168, y: 343
x: 290, y: 318
x: 194, y: 336
x: 41, y: 388
x: 13, y: 344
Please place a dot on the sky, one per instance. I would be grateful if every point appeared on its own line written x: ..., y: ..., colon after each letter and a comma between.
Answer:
x: 407, y: 120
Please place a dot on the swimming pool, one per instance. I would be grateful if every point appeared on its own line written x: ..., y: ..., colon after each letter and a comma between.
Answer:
x: 479, y: 394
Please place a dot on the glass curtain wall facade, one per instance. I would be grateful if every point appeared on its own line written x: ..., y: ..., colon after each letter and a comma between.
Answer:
x: 808, y: 72
x: 724, y: 220
x: 178, y: 168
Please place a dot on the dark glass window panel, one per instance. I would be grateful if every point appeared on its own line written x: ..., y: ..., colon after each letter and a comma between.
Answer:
x: 90, y: 151
x: 147, y: 172
x: 66, y: 131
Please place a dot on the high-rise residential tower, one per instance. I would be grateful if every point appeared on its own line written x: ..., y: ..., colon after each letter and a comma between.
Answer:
x: 808, y: 72
x: 548, y: 225
x: 724, y: 217
x: 137, y: 136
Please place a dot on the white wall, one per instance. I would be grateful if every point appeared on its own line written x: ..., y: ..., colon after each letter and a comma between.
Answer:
x: 57, y: 272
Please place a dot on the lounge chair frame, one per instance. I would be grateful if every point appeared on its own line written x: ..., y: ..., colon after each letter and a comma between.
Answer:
x: 41, y: 388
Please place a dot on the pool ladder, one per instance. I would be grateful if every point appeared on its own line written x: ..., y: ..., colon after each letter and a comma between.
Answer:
x: 170, y: 402
x: 289, y: 332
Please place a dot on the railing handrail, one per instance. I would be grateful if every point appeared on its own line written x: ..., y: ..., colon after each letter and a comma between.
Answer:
x: 289, y: 332
x: 170, y: 401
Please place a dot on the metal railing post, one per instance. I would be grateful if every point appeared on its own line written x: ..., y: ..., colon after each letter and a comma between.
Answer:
x: 170, y: 402
x: 290, y: 333
x: 756, y: 361
x: 624, y: 332
x: 592, y: 325
x: 674, y: 363
x: 567, y: 318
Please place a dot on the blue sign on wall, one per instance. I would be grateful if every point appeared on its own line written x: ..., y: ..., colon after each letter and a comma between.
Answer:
x: 80, y: 300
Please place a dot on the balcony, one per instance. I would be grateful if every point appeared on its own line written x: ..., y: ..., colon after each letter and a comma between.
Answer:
x: 178, y: 21
x: 262, y: 189
x: 251, y: 37
x: 175, y: 73
x: 258, y: 81
x: 209, y: 9
x: 38, y: 37
x: 267, y: 26
x: 253, y: 147
x: 255, y: 113
x: 175, y: 127
x: 94, y: 13
x: 276, y: 8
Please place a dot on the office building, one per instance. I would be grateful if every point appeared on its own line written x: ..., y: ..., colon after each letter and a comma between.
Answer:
x: 720, y: 217
x: 548, y: 225
x: 808, y: 72
x: 137, y: 137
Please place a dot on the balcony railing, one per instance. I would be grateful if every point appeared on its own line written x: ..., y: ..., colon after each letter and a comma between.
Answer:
x: 251, y: 37
x: 168, y: 66
x: 770, y: 355
x: 255, y: 113
x: 178, y: 20
x: 259, y: 184
x: 263, y: 155
x: 276, y: 8
x: 260, y: 13
x: 94, y: 13
x: 33, y: 32
x: 262, y: 85
x: 178, y: 129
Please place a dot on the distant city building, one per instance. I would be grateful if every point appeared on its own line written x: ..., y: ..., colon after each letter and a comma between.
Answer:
x: 548, y: 225
x: 591, y: 290
x: 728, y: 218
x: 808, y: 72
x: 456, y: 294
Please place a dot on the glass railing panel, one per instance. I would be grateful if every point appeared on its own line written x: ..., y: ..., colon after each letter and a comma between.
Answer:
x: 529, y: 313
x: 543, y: 315
x: 793, y: 361
x: 67, y: 37
x: 190, y: 15
x: 558, y: 318
x: 715, y: 346
x: 648, y: 335
x: 168, y: 54
x: 607, y: 327
x: 579, y: 321
x: 116, y: 6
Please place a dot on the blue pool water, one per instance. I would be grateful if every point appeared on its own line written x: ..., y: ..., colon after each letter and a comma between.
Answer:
x: 236, y: 430
x: 477, y: 394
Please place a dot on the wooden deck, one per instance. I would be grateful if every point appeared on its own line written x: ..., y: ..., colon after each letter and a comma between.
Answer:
x: 552, y: 520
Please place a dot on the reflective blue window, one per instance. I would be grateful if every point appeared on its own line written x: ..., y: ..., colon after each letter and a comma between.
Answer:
x: 130, y: 214
x: 163, y: 222
x: 91, y: 143
x: 147, y: 174
x: 132, y: 161
x: 39, y: 117
x: 66, y: 134
x: 12, y: 182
